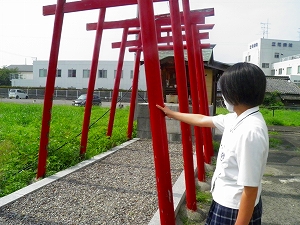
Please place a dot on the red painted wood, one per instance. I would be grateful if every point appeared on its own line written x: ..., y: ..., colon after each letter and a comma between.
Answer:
x: 167, y: 47
x: 160, y: 40
x: 92, y: 80
x: 77, y: 6
x: 157, y: 118
x: 117, y: 84
x: 197, y: 17
x: 50, y: 82
x: 182, y: 90
x: 193, y: 86
x: 134, y: 92
x: 200, y: 73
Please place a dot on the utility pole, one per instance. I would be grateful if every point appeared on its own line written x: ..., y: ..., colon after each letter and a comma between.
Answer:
x: 265, y: 28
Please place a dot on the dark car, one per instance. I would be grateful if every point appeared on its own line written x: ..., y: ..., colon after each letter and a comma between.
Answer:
x: 82, y: 99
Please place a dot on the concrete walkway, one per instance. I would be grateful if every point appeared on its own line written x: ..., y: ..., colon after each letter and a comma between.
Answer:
x: 281, y: 182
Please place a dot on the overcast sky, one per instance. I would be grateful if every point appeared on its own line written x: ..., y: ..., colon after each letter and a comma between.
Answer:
x: 25, y: 34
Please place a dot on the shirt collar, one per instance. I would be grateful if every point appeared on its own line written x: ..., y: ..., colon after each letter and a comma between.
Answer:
x: 242, y: 116
x: 247, y: 112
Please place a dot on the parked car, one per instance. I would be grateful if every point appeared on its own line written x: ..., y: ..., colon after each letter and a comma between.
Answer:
x: 17, y: 93
x: 82, y: 100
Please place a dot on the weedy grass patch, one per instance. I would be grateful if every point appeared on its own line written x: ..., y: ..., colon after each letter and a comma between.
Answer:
x: 20, y: 139
x: 281, y: 117
x: 274, y: 142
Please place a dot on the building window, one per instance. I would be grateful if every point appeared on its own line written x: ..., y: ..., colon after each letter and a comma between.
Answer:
x: 272, y: 72
x: 279, y: 44
x: 115, y: 73
x: 276, y: 55
x: 102, y: 73
x: 42, y: 73
x: 71, y: 73
x: 86, y: 73
x: 297, y: 82
x: 58, y: 73
x: 280, y: 71
x: 290, y: 45
x: 298, y: 70
x: 284, y: 45
x: 245, y: 58
x: 288, y: 70
x: 131, y: 74
x: 14, y: 76
x: 249, y: 57
x: 265, y: 65
x: 273, y: 43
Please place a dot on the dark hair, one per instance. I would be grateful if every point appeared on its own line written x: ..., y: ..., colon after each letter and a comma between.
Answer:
x: 243, y: 83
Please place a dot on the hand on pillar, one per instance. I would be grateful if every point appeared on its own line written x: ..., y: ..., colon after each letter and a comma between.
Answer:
x: 168, y: 112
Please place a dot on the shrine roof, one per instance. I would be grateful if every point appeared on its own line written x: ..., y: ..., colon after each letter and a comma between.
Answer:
x: 207, y: 54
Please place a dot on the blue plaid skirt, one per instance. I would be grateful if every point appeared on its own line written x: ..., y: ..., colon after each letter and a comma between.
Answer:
x: 221, y: 215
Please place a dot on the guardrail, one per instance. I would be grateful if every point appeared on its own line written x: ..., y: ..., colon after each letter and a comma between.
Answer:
x: 70, y: 94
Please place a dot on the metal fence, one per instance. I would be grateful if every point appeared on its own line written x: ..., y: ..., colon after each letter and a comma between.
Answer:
x: 71, y: 94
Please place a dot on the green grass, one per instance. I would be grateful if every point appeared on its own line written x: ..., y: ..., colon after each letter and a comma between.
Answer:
x: 274, y: 142
x: 20, y: 136
x: 281, y: 117
x: 203, y: 197
x: 203, y: 201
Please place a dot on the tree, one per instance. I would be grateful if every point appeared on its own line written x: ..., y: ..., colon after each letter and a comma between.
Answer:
x: 5, y: 74
x: 272, y: 99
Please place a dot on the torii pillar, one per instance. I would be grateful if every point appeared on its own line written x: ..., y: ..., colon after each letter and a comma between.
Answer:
x: 157, y: 118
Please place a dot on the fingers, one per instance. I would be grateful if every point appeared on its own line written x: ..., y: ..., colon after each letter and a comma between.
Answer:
x: 162, y: 109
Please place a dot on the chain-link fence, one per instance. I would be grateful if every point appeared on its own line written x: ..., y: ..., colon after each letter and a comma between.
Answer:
x: 71, y: 94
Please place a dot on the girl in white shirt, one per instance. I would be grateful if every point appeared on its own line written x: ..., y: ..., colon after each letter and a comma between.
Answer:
x: 242, y: 157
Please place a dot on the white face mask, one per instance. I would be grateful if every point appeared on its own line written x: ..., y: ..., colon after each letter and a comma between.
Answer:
x: 229, y: 106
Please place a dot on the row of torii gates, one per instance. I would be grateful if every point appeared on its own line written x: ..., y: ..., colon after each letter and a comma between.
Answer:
x: 182, y: 30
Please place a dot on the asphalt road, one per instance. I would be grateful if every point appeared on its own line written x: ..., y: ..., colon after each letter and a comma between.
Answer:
x: 55, y: 102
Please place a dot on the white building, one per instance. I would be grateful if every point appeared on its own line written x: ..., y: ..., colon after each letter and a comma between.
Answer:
x: 75, y: 74
x: 265, y: 52
x: 23, y: 72
x: 288, y: 66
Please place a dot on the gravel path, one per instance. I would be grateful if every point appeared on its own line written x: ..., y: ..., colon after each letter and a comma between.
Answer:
x: 119, y: 189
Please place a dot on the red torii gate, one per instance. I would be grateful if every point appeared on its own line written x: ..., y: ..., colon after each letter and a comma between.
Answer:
x: 197, y: 15
x: 150, y: 49
x: 182, y: 87
x: 203, y: 97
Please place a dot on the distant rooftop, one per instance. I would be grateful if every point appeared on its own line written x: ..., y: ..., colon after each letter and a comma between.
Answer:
x: 22, y: 68
x: 282, y: 86
x: 290, y: 57
x: 207, y: 54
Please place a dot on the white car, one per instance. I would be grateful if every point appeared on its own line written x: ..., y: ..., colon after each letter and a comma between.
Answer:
x: 17, y: 93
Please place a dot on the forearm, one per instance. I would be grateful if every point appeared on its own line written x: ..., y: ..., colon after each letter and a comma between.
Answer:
x: 247, y: 205
x: 192, y: 119
x: 189, y: 118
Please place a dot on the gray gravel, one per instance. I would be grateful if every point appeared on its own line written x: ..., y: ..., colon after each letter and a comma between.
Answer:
x: 119, y: 189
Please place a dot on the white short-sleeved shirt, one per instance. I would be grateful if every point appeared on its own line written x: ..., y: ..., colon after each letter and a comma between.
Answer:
x: 242, y: 156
